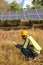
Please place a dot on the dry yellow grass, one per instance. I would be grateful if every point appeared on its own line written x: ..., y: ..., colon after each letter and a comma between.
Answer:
x: 10, y: 55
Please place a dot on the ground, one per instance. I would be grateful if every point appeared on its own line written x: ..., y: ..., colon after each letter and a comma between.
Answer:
x: 10, y: 55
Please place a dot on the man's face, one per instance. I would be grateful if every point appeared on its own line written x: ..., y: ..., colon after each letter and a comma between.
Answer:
x: 24, y: 37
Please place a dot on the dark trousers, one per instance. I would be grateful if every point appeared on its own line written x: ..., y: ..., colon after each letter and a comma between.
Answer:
x: 27, y: 52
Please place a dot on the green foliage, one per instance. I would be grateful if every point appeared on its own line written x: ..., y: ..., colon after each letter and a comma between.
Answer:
x: 37, y: 4
x: 11, y: 23
x: 36, y: 1
x: 41, y: 2
x: 30, y: 23
x: 14, y: 6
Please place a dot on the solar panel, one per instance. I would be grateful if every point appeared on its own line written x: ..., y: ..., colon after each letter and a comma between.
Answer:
x: 5, y: 17
x: 21, y: 13
x: 5, y: 13
x: 0, y: 13
x: 13, y: 17
x: 31, y: 12
x: 21, y: 17
x: 41, y: 17
x: 13, y: 13
x: 32, y: 17
x: 0, y: 17
x: 40, y: 12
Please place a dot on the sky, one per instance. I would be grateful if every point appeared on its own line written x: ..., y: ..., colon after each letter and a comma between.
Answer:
x: 18, y: 1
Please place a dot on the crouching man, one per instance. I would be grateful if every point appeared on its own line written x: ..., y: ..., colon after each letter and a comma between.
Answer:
x: 30, y: 42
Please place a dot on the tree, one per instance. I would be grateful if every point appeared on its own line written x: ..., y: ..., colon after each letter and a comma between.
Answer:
x: 14, y: 6
x: 36, y: 4
x: 3, y: 5
x: 41, y: 2
x: 36, y: 1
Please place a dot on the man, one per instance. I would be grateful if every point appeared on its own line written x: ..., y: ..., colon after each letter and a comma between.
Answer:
x: 30, y: 42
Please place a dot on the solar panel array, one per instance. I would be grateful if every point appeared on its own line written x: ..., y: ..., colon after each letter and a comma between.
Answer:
x: 29, y: 14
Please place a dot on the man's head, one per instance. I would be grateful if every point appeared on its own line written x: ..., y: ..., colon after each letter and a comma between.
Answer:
x: 24, y: 34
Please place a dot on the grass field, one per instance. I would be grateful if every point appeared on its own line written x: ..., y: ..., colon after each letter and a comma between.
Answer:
x: 10, y: 55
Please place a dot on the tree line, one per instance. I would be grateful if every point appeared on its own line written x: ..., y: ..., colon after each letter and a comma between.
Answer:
x: 14, y: 6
